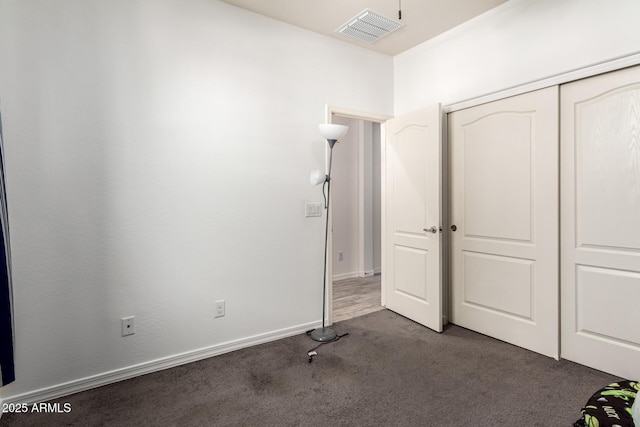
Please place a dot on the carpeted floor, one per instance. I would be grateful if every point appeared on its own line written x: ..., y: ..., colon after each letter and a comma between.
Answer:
x: 388, y: 371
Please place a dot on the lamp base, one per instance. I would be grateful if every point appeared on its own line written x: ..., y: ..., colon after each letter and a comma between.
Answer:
x: 323, y: 335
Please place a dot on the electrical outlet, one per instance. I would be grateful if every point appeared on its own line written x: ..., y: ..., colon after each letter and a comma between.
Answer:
x: 127, y: 326
x: 340, y: 256
x: 219, y: 307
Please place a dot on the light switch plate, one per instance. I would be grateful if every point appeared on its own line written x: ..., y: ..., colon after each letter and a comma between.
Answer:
x: 312, y: 210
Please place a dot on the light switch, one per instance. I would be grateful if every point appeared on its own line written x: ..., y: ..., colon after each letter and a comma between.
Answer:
x: 312, y: 209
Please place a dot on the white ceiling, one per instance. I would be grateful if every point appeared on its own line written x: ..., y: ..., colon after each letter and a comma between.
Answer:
x: 422, y: 19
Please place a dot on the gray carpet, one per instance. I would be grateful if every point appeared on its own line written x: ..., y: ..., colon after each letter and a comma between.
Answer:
x: 388, y: 371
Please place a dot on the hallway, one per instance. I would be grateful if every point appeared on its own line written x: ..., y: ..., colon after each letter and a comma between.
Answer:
x: 356, y: 297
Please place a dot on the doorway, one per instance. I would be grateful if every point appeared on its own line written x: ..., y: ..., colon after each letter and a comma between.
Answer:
x: 355, y: 219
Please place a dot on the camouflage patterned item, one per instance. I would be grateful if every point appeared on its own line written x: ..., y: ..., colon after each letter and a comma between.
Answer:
x: 610, y: 406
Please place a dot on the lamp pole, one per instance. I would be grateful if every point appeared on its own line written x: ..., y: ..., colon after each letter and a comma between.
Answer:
x: 330, y: 132
x: 326, y: 334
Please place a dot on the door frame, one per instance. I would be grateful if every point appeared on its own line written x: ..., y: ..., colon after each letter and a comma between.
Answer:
x: 588, y: 70
x: 330, y: 112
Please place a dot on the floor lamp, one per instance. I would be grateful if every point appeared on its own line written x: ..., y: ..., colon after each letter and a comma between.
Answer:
x: 331, y: 133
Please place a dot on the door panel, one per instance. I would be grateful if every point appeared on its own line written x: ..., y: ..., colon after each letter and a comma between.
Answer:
x: 600, y: 220
x: 411, y: 272
x: 504, y: 183
x: 485, y: 187
x: 592, y: 297
x: 412, y: 183
x: 498, y: 283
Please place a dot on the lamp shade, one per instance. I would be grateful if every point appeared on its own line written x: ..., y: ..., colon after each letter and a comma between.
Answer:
x: 317, y: 177
x: 330, y: 131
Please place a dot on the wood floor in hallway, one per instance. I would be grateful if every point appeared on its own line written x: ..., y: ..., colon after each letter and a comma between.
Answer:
x: 356, y: 297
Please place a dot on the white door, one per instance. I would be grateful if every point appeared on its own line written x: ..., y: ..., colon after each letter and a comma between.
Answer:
x: 600, y: 219
x: 504, y: 204
x: 412, y: 217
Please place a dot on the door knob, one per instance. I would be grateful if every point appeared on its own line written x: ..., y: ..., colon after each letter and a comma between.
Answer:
x: 453, y: 227
x: 433, y: 229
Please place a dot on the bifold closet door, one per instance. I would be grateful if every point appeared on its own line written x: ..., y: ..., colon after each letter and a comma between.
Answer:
x: 504, y: 208
x: 600, y: 222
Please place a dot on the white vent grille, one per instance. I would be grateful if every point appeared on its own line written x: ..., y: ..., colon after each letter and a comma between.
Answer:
x: 369, y: 26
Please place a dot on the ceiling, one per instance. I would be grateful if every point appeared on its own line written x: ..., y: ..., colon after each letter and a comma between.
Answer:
x: 422, y: 19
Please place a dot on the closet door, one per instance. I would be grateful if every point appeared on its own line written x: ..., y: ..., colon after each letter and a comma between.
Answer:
x: 504, y: 206
x: 600, y: 220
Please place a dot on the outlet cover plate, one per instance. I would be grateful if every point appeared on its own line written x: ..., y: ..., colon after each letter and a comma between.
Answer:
x: 128, y: 326
x: 219, y: 308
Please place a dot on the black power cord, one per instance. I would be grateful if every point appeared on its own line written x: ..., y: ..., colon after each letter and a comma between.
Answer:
x: 313, y: 352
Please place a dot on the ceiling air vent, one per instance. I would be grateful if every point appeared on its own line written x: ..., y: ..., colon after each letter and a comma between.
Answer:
x: 369, y: 26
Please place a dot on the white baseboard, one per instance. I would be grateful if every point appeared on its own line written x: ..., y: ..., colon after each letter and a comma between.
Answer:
x: 345, y: 276
x: 354, y: 274
x: 75, y: 386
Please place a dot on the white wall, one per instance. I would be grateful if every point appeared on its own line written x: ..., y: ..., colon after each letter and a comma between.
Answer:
x: 377, y: 201
x: 365, y: 200
x: 157, y: 159
x: 344, y: 196
x: 516, y: 43
x: 370, y: 199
